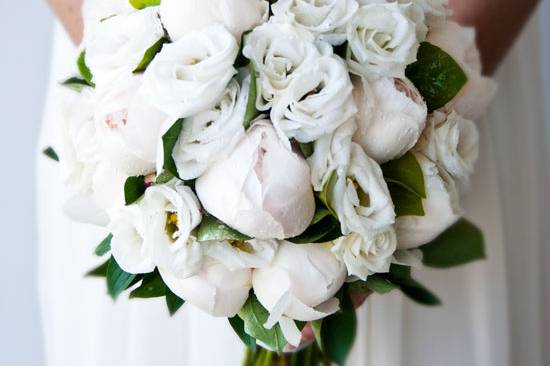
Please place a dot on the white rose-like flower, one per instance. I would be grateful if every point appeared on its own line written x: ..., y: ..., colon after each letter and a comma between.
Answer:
x: 317, y: 102
x: 452, y: 142
x: 391, y: 118
x: 366, y: 255
x: 171, y: 212
x: 360, y: 196
x: 94, y: 12
x: 211, y: 135
x: 191, y: 74
x: 239, y: 254
x: 331, y: 153
x: 128, y: 243
x: 245, y: 189
x: 326, y: 19
x: 441, y: 208
x: 215, y: 289
x: 300, y: 284
x: 182, y: 17
x: 278, y: 52
x: 382, y: 41
x: 460, y: 43
x: 129, y: 127
x: 119, y: 43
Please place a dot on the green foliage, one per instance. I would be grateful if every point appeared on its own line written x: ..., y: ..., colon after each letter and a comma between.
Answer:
x: 151, y: 286
x: 402, y: 277
x: 117, y: 279
x: 169, y: 140
x: 238, y: 326
x: 75, y: 83
x: 338, y: 331
x: 99, y: 271
x: 251, y: 111
x: 173, y: 302
x: 84, y: 69
x: 104, y: 247
x: 134, y: 188
x: 213, y: 229
x: 50, y: 153
x: 142, y: 4
x: 150, y: 55
x: 323, y: 228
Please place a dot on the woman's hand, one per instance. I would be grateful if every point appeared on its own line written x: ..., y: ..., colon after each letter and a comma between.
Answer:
x: 69, y: 13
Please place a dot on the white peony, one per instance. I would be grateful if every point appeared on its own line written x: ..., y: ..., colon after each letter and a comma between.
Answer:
x: 360, y: 196
x: 278, y: 53
x: 331, y: 153
x: 119, y: 43
x: 191, y: 74
x: 366, y: 255
x: 181, y: 17
x: 391, y: 118
x: 452, y: 142
x: 317, y: 101
x: 245, y: 189
x: 239, y: 254
x: 171, y: 212
x: 460, y: 43
x: 441, y: 208
x: 324, y: 19
x: 382, y: 41
x: 128, y: 126
x: 215, y: 289
x: 211, y: 135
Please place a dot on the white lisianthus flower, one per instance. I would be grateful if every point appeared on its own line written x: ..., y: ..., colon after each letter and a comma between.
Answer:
x: 119, y: 43
x: 366, y: 255
x: 382, y: 41
x: 128, y: 126
x: 171, y: 212
x: 239, y: 254
x: 360, y: 196
x: 245, y: 189
x: 391, y: 118
x: 331, y: 153
x: 437, y: 8
x: 183, y: 17
x: 317, y: 101
x: 441, y: 208
x: 211, y: 135
x: 191, y: 74
x: 452, y: 142
x: 214, y: 288
x: 460, y: 43
x: 278, y: 52
x: 324, y: 19
x: 108, y: 185
x: 94, y: 12
x: 128, y: 243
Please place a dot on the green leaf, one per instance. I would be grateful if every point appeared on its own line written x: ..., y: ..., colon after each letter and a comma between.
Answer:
x: 150, y: 55
x: 104, y: 247
x: 401, y: 276
x: 213, y: 229
x: 436, y: 75
x: 141, y: 4
x: 100, y: 271
x: 323, y: 224
x: 50, y: 153
x: 117, y: 280
x: 251, y: 111
x: 76, y: 84
x: 173, y: 302
x: 164, y: 178
x: 169, y: 140
x: 341, y: 50
x: 460, y: 244
x: 325, y: 194
x: 254, y: 316
x: 316, y: 327
x: 406, y: 172
x: 307, y: 148
x: 406, y: 203
x: 134, y: 188
x: 238, y: 326
x: 338, y: 331
x: 241, y: 60
x: 84, y: 69
x: 152, y: 286
x: 374, y: 283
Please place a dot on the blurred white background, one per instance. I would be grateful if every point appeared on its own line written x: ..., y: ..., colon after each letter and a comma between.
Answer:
x: 24, y: 66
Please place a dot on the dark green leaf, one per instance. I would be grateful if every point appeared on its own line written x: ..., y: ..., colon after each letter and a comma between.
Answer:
x: 374, y: 283
x: 307, y: 148
x: 316, y: 327
x: 213, y: 229
x: 241, y: 60
x: 173, y: 302
x: 76, y: 84
x: 254, y: 316
x: 164, y: 178
x: 169, y: 140
x: 338, y: 331
x: 318, y: 231
x: 251, y: 110
x: 238, y: 326
x: 100, y: 271
x: 436, y: 75
x: 406, y: 203
x: 401, y: 276
x: 141, y: 4
x: 152, y: 286
x: 84, y: 70
x: 104, y: 247
x: 50, y: 153
x: 406, y: 172
x: 134, y: 188
x: 150, y: 55
x: 117, y: 280
x: 460, y: 244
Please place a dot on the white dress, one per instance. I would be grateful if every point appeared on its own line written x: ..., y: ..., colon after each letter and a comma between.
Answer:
x: 485, y: 320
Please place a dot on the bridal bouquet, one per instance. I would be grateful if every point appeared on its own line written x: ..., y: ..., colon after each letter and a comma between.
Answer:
x: 272, y: 162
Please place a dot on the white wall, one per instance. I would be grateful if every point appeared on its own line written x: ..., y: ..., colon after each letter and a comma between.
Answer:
x: 24, y: 61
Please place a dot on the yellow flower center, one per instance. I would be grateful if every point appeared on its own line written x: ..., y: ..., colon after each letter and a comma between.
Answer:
x: 241, y: 245
x: 171, y: 227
